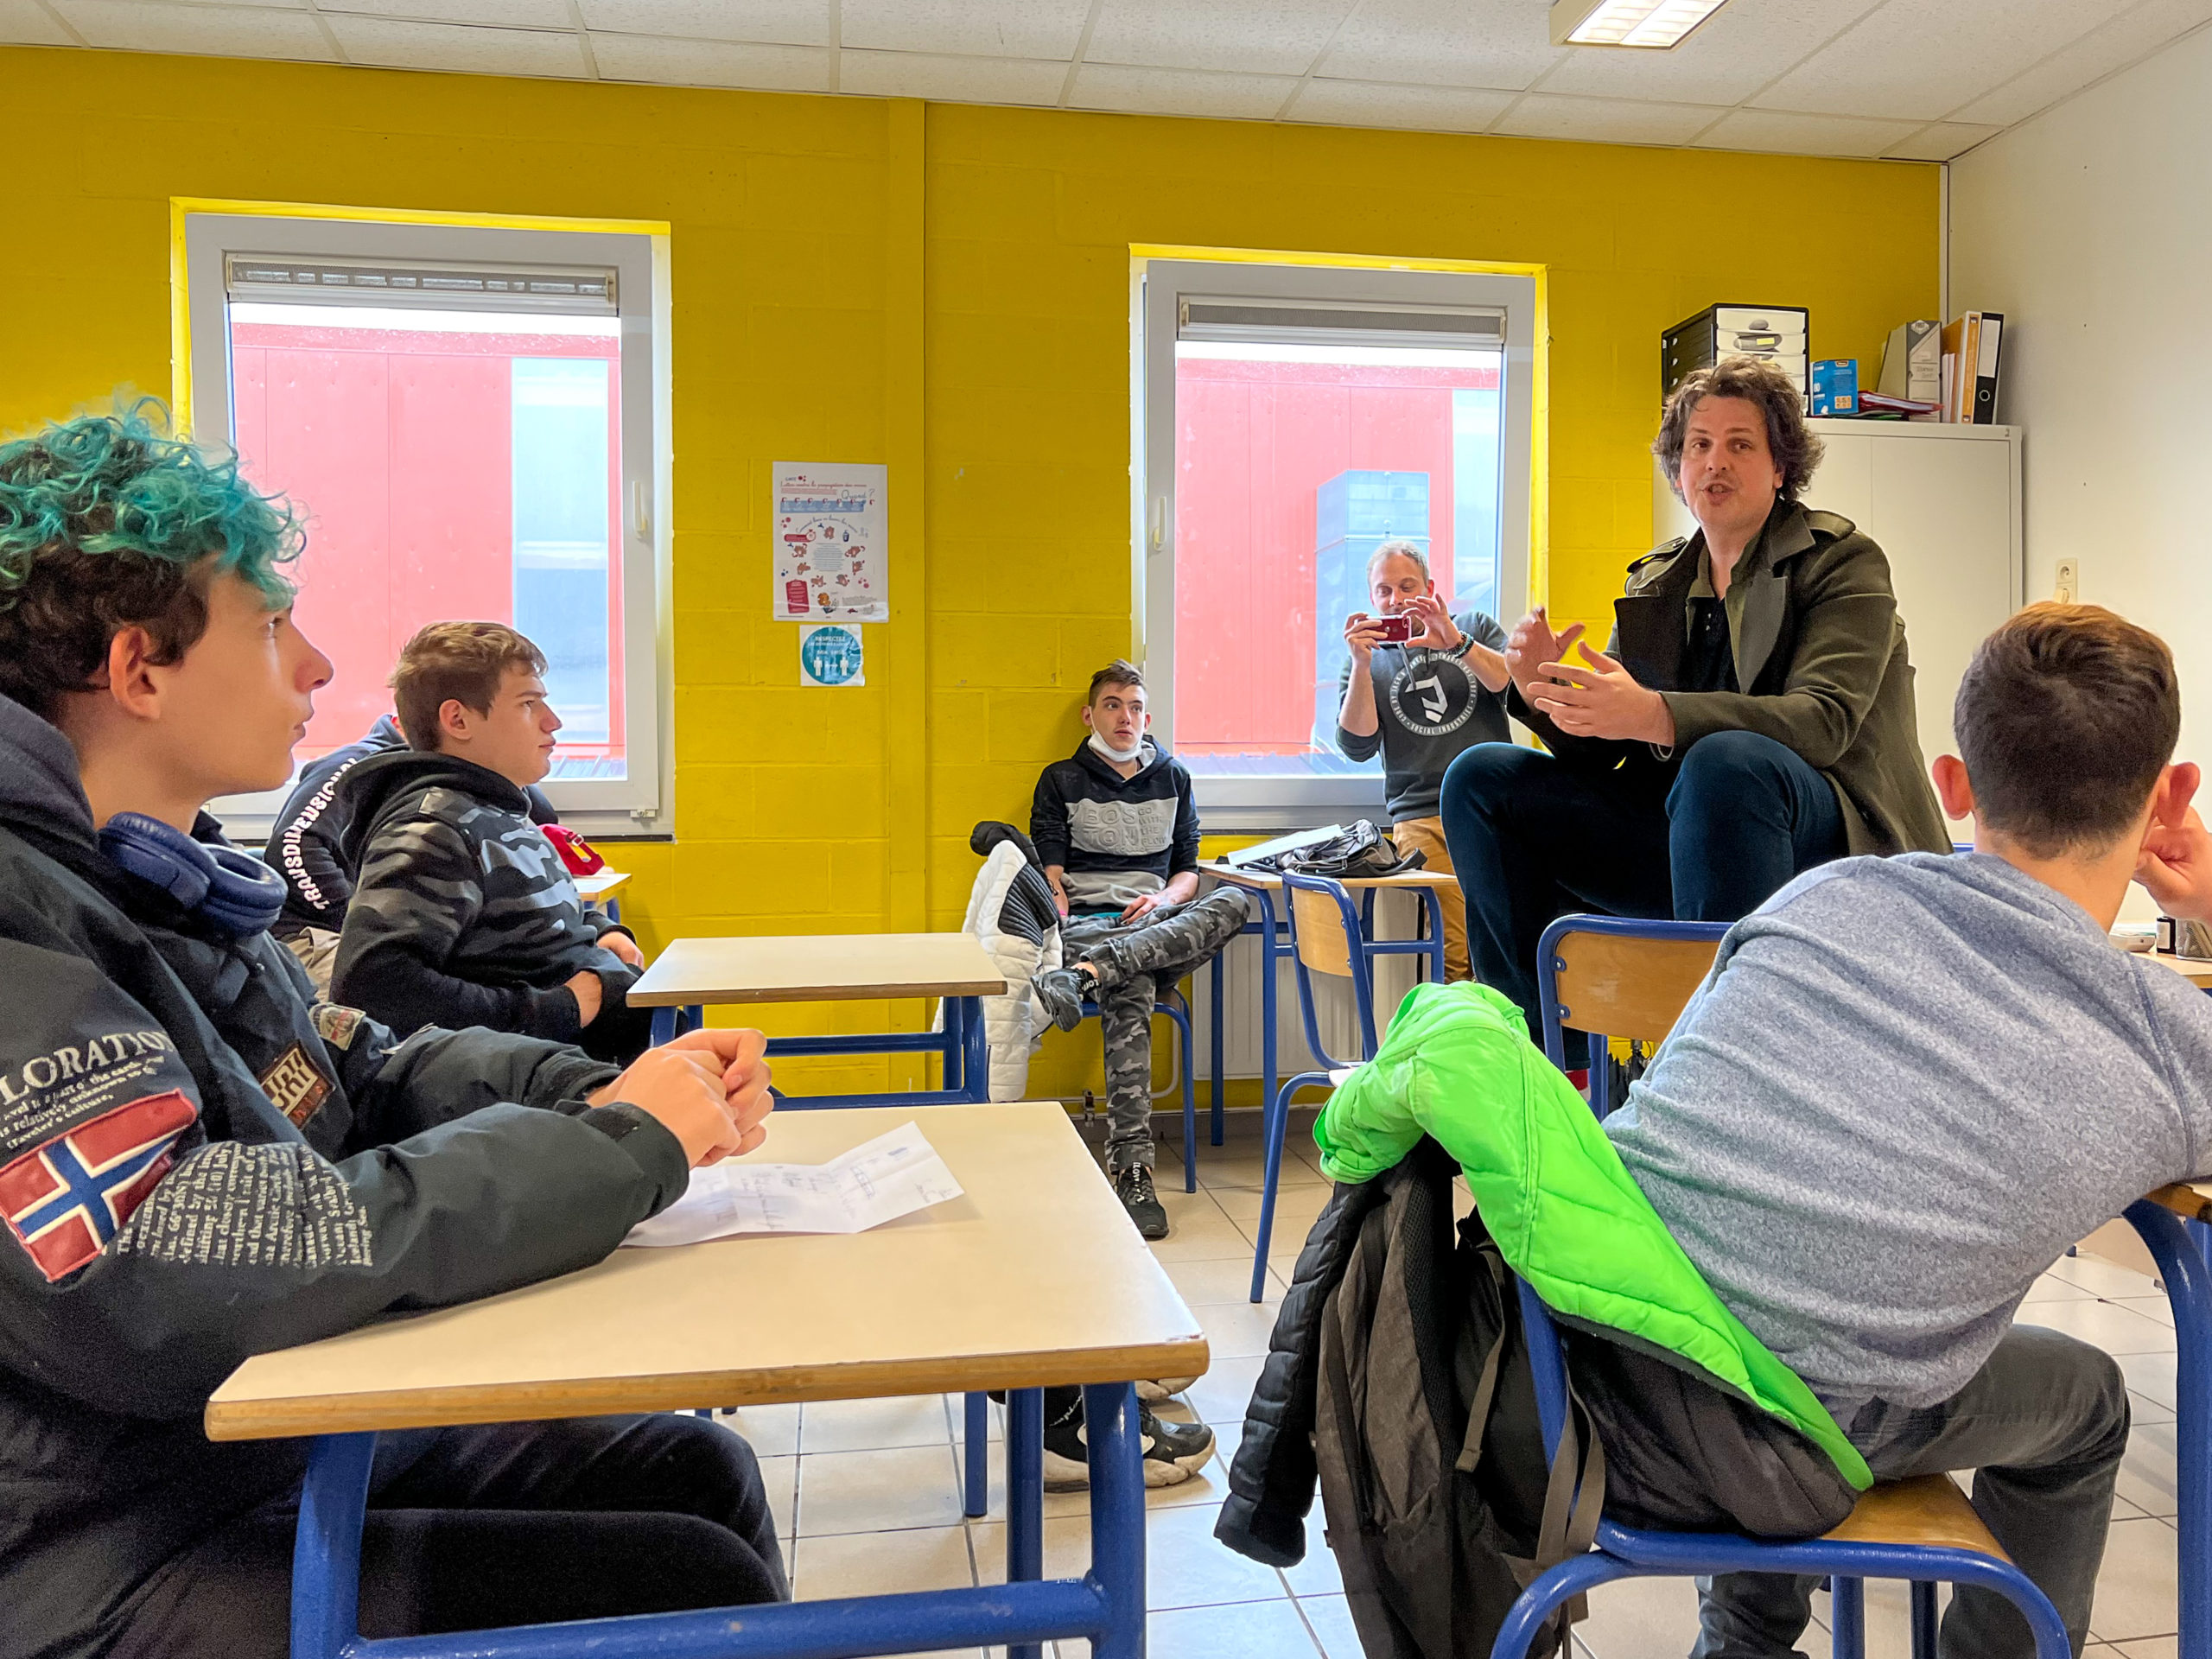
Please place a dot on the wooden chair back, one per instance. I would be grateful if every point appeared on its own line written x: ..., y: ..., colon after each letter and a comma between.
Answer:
x: 1631, y: 988
x: 1319, y: 926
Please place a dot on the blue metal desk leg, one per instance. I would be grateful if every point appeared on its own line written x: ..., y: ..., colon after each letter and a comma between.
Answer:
x: 1217, y: 1053
x: 1024, y: 1497
x: 1268, y: 954
x: 327, y: 1549
x: 1117, y: 1516
x: 663, y: 1026
x: 978, y: 1467
x: 2188, y: 1290
x: 1435, y: 934
x: 975, y: 1050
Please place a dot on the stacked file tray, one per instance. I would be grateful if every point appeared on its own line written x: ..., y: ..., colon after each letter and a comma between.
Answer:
x: 1781, y: 333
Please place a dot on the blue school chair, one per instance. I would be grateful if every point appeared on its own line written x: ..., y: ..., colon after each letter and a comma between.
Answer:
x: 1325, y: 937
x: 1922, y: 1530
x: 1617, y: 976
x: 1173, y: 1005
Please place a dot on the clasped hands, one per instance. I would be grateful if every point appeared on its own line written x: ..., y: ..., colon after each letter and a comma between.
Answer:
x: 708, y: 1088
x: 1593, y: 698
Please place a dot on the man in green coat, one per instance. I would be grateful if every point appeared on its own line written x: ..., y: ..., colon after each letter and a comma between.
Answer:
x: 1752, y: 718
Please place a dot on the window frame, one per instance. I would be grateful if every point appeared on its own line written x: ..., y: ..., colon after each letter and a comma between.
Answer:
x: 641, y: 804
x: 1160, y: 284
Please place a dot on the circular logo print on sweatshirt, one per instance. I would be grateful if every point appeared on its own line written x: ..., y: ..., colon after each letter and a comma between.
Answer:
x: 1433, y: 696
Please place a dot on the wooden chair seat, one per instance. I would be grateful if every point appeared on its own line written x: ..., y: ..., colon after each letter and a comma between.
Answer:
x: 1927, y: 1509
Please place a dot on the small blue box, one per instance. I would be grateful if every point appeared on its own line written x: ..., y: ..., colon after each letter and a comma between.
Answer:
x: 1836, y: 386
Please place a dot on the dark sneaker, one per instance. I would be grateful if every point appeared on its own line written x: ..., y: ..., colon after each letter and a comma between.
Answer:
x: 1173, y: 1451
x: 1134, y: 1187
x: 1061, y: 990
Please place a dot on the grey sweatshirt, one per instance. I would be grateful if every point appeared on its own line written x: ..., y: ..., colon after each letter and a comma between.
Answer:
x: 1910, y: 1084
x: 1427, y: 709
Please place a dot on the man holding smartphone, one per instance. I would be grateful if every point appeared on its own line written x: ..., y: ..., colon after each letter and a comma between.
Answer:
x: 1421, y: 686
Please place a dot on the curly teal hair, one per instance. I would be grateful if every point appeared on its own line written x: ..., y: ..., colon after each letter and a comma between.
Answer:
x: 108, y: 522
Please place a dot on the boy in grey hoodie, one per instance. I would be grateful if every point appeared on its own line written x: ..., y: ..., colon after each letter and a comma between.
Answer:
x: 1912, y: 1083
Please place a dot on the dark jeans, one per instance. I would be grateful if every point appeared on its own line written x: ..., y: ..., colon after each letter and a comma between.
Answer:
x: 2043, y: 1425
x: 1534, y: 838
x: 469, y: 1528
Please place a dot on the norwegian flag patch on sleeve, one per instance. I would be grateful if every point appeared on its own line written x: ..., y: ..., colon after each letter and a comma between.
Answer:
x: 66, y: 1197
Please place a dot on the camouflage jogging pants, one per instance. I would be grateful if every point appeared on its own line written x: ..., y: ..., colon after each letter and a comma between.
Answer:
x: 1136, y: 962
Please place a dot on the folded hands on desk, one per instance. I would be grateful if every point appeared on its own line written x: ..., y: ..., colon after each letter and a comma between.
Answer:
x: 708, y: 1088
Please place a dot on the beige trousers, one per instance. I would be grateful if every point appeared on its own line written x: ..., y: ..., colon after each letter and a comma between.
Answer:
x: 1426, y: 836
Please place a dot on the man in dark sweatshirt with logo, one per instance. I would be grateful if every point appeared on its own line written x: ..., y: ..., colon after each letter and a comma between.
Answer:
x: 1117, y: 830
x: 1422, y: 703
x: 463, y: 913
x: 197, y: 1164
x: 303, y: 849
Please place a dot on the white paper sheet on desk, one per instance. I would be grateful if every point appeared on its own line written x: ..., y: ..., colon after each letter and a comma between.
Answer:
x: 888, y: 1177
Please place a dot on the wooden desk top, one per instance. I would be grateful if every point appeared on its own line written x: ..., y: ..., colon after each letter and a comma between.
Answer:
x: 1268, y: 881
x: 1033, y: 1278
x: 604, y: 884
x: 826, y: 968
x: 2195, y: 971
x: 2191, y: 1200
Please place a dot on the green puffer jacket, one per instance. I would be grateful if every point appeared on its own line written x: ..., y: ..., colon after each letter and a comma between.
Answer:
x: 1567, y: 1216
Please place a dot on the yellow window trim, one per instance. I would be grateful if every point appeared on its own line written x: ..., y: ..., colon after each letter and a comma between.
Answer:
x: 1540, y: 517
x: 180, y: 300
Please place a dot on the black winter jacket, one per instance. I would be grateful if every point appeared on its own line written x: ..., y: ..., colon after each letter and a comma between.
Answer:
x: 248, y: 1173
x: 310, y: 827
x: 463, y: 913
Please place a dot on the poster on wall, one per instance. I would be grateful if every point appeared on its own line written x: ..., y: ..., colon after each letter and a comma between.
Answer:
x: 831, y: 655
x: 829, y: 522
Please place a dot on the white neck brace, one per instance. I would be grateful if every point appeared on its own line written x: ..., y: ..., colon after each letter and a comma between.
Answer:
x: 1117, y: 756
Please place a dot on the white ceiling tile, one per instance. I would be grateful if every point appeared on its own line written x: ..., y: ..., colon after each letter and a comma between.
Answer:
x: 1805, y: 135
x: 219, y: 31
x: 952, y: 80
x: 777, y: 22
x: 1371, y: 104
x: 1606, y: 120
x: 2123, y: 41
x: 1940, y: 143
x: 1730, y: 56
x: 498, y: 14
x: 1502, y: 44
x: 1920, y: 60
x: 25, y: 23
x: 391, y: 44
x: 1279, y: 37
x: 711, y: 63
x: 983, y: 28
x: 1179, y: 91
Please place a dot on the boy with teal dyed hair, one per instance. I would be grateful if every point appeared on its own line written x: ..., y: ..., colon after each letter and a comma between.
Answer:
x: 198, y: 1163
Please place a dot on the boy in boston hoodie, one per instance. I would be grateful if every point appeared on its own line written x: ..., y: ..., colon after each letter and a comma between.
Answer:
x: 463, y: 913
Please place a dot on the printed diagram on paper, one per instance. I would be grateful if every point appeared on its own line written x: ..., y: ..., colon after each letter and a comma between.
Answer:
x: 885, y: 1178
x: 829, y: 523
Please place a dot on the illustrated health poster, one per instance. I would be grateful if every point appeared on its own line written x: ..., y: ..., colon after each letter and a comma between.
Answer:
x: 829, y: 522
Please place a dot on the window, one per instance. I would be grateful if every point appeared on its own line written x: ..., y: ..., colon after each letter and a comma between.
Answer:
x: 468, y: 418
x: 1292, y: 418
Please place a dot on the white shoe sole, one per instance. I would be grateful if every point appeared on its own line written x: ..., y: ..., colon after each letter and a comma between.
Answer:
x: 1166, y: 1387
x: 1067, y: 1475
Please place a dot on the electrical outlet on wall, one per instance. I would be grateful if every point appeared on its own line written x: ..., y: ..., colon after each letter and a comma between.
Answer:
x: 2068, y: 589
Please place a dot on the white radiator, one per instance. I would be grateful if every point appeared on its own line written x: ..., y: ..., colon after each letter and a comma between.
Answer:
x: 1396, y: 918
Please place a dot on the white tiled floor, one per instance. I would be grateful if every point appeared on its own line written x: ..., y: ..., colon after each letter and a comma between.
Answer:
x: 866, y: 1492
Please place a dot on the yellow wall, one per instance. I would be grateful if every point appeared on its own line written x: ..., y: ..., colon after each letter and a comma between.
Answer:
x: 945, y: 288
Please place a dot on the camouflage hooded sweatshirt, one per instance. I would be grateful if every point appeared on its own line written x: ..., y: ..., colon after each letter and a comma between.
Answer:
x: 463, y: 913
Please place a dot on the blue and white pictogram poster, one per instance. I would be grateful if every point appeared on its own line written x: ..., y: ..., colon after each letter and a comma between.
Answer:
x: 830, y: 656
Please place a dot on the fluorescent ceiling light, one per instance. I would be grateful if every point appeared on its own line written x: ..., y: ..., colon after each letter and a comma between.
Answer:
x: 1657, y: 24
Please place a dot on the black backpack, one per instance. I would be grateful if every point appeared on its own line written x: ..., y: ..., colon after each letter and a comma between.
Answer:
x: 1361, y: 851
x: 1433, y: 1482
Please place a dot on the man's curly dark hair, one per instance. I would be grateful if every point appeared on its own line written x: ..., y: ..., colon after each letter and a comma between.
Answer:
x: 1797, y: 451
